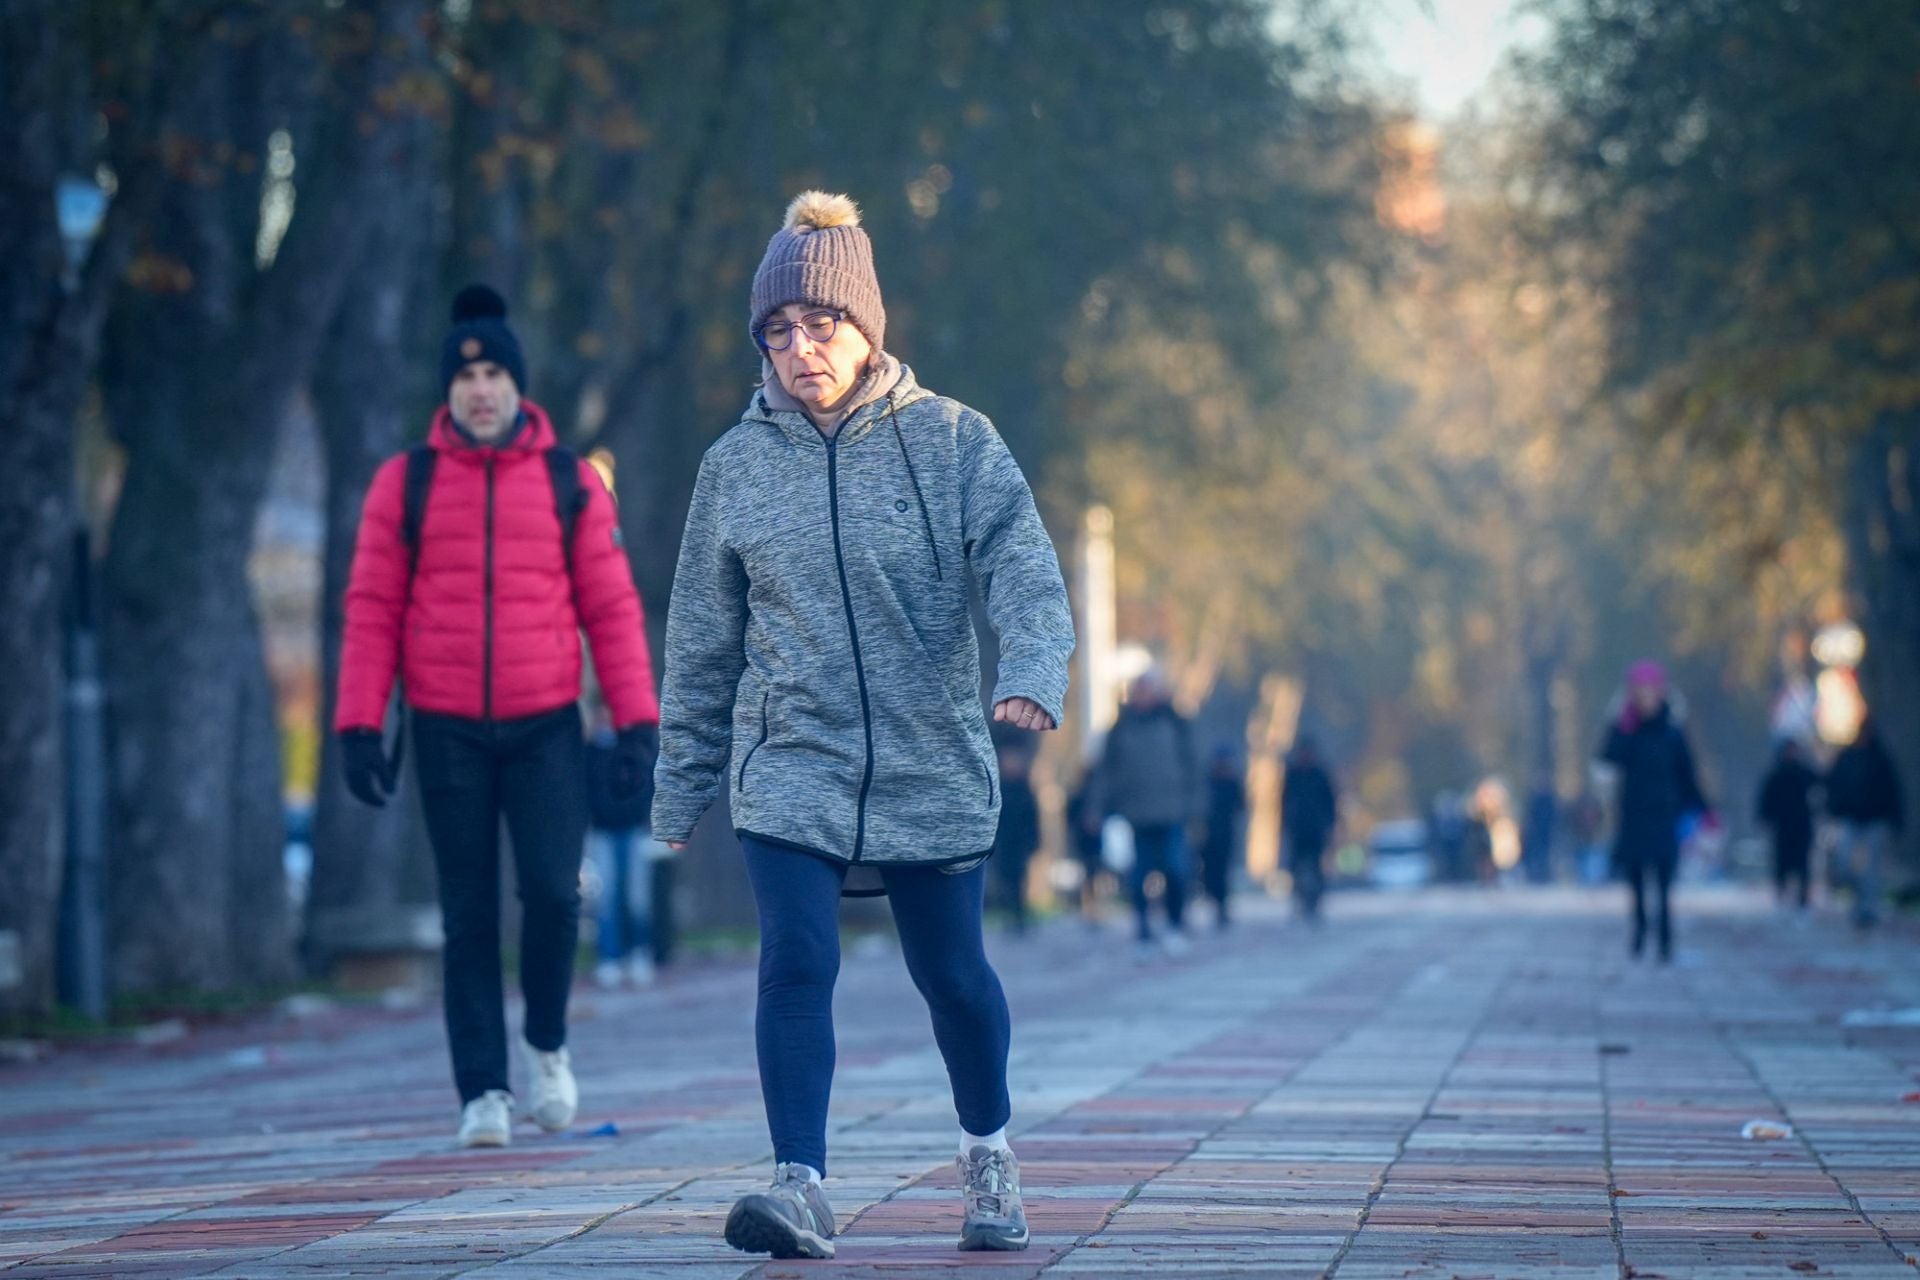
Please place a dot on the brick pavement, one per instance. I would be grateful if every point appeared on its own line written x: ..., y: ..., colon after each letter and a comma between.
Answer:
x: 1450, y: 1084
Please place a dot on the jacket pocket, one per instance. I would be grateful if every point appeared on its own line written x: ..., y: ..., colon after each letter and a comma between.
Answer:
x: 765, y: 698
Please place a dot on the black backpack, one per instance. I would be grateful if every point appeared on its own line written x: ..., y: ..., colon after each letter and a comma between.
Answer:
x: 563, y: 470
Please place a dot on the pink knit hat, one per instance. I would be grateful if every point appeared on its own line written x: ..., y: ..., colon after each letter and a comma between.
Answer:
x: 1647, y: 674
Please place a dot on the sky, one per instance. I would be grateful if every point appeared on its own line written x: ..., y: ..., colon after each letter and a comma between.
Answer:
x: 1444, y: 50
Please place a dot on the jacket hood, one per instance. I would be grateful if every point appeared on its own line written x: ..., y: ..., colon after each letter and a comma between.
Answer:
x: 889, y: 383
x: 533, y: 434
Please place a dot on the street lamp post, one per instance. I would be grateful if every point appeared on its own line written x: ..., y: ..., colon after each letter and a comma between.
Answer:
x: 83, y: 937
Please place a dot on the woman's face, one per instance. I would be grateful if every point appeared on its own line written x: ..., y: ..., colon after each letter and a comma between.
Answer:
x: 820, y: 375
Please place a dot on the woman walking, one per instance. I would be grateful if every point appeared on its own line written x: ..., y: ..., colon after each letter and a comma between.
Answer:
x: 1658, y: 787
x: 819, y: 631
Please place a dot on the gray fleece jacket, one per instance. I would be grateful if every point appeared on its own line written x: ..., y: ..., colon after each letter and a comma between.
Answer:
x: 820, y: 635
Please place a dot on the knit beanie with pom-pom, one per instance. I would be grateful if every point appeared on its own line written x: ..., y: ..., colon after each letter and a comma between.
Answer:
x: 480, y: 332
x: 821, y: 257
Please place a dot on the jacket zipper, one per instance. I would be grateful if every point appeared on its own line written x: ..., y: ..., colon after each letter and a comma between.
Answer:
x: 853, y: 632
x: 486, y: 662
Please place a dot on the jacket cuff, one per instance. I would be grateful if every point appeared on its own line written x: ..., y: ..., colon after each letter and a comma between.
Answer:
x: 675, y: 819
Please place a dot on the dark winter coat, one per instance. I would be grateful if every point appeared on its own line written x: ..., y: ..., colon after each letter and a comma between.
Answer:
x: 1309, y: 805
x: 1658, y: 786
x: 821, y: 631
x: 484, y: 622
x: 1226, y: 797
x: 1148, y: 771
x: 1087, y: 844
x: 1864, y: 787
x: 1786, y: 803
x: 1019, y: 833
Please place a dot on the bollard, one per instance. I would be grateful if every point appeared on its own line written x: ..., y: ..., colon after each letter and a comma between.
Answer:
x: 83, y: 943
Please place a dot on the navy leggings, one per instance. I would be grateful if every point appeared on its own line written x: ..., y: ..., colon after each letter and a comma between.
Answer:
x: 938, y: 917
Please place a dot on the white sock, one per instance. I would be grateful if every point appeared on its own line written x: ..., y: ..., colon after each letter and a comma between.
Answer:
x: 996, y: 1140
x: 813, y: 1174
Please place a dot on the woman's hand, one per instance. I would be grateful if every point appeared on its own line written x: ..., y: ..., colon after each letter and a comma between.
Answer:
x: 1023, y: 713
x: 676, y: 845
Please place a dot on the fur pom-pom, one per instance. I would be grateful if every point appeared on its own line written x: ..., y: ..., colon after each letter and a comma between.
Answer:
x: 818, y: 210
x: 477, y: 302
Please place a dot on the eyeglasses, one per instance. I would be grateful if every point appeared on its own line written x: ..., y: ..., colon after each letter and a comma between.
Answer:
x: 819, y: 326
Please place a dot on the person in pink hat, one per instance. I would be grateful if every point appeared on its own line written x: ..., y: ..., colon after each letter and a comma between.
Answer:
x: 1658, y: 789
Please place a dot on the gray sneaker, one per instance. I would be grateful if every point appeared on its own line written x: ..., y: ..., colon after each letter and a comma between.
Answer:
x: 990, y: 1183
x: 790, y: 1219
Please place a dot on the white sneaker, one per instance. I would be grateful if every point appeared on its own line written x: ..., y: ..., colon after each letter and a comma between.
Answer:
x: 1174, y: 944
x: 553, y: 1097
x: 640, y: 970
x: 487, y: 1121
x: 608, y: 975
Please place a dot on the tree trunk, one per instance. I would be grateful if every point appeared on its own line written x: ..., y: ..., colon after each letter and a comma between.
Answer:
x: 205, y: 356
x: 49, y: 336
x: 371, y: 866
x: 1883, y: 543
x: 195, y: 749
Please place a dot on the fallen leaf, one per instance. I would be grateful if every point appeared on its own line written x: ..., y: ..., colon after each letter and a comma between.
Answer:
x: 1759, y: 1235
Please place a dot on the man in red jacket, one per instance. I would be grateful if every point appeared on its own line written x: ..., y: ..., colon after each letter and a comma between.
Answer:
x: 479, y: 560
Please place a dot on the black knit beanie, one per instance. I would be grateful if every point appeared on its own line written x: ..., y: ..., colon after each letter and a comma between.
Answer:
x: 480, y: 332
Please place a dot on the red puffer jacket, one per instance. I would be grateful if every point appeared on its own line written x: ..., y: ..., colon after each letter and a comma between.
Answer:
x: 486, y: 625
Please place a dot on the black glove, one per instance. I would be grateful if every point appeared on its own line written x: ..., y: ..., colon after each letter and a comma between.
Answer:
x: 364, y: 761
x: 638, y: 748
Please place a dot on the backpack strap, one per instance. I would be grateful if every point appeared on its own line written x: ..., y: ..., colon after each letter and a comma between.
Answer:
x: 569, y: 497
x: 413, y: 513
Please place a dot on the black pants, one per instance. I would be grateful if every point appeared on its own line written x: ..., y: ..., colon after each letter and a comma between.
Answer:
x: 532, y: 772
x: 1790, y: 862
x: 1216, y: 868
x: 1162, y: 847
x: 1304, y: 858
x: 1010, y: 869
x: 1656, y: 873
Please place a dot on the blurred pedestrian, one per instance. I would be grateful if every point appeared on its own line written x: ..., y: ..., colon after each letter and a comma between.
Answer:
x: 820, y: 630
x: 1149, y: 774
x: 1449, y: 836
x: 480, y: 557
x: 1785, y: 807
x: 1865, y: 799
x: 1089, y: 848
x: 1309, y: 814
x: 1537, y: 833
x: 1226, y: 801
x: 1586, y: 825
x: 664, y: 925
x: 1658, y: 789
x: 1018, y: 835
x: 619, y: 849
